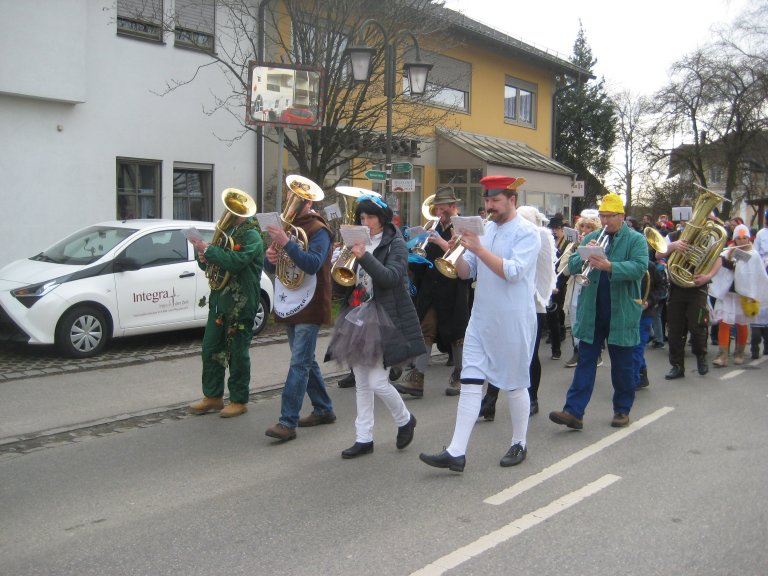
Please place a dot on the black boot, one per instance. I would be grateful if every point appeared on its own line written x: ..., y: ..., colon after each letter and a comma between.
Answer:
x: 348, y: 381
x: 488, y: 407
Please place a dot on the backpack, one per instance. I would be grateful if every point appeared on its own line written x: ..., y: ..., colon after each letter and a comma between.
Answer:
x: 662, y: 268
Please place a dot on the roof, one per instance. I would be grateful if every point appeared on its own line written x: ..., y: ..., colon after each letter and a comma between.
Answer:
x: 501, y: 40
x: 504, y: 152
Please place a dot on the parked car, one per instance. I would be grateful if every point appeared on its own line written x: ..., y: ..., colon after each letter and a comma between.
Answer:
x: 297, y: 116
x: 113, y: 279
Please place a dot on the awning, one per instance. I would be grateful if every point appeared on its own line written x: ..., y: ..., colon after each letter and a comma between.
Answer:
x: 502, y: 157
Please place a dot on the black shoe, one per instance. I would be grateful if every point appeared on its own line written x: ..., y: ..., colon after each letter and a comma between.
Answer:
x: 702, y: 365
x: 394, y: 373
x: 675, y: 372
x: 556, y: 355
x: 658, y: 344
x: 488, y: 408
x: 444, y: 460
x: 405, y: 433
x: 514, y: 455
x: 359, y: 449
x: 348, y: 381
x: 449, y: 362
x: 643, y: 378
x: 534, y: 407
x: 755, y: 352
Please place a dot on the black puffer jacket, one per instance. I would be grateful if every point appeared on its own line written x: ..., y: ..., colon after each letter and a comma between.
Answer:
x: 388, y: 268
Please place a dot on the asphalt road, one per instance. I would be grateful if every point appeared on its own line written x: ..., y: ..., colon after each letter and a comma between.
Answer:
x: 681, y: 491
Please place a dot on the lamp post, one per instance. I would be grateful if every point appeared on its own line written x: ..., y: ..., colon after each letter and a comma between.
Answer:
x: 360, y: 57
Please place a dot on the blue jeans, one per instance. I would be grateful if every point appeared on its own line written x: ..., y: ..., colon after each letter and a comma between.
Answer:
x: 638, y: 353
x: 304, y: 376
x: 583, y: 383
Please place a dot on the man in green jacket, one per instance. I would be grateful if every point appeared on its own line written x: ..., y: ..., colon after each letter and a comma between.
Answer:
x: 609, y: 309
x: 231, y: 312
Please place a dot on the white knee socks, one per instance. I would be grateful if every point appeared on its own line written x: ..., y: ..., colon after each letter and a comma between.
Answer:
x: 520, y: 410
x: 466, y: 415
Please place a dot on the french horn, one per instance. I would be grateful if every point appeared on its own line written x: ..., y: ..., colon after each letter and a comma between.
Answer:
x: 237, y: 204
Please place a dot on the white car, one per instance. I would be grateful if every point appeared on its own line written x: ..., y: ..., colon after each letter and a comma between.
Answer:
x: 113, y: 279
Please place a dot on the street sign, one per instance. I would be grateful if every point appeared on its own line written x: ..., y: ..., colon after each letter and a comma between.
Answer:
x: 403, y: 185
x: 402, y: 167
x: 376, y: 175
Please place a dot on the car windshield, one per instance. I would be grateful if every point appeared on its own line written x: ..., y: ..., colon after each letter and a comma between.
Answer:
x: 85, y: 246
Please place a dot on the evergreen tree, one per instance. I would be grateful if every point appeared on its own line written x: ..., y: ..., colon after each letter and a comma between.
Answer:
x: 585, y: 126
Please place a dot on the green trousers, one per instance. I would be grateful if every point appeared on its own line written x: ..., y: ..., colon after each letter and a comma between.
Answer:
x: 215, y: 343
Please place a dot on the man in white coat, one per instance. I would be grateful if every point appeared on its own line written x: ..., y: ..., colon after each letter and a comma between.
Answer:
x: 500, y: 336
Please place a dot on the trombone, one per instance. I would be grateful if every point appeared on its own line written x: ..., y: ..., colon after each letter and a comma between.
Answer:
x: 582, y: 277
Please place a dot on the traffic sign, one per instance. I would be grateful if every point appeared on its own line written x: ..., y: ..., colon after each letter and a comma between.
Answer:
x: 376, y: 175
x: 402, y: 167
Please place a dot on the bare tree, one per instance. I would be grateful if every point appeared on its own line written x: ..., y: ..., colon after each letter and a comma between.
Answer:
x: 315, y: 34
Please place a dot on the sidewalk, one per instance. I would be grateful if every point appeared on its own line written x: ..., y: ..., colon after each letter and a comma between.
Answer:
x: 51, y: 404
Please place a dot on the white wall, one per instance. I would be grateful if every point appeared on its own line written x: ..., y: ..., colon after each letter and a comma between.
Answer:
x: 58, y: 158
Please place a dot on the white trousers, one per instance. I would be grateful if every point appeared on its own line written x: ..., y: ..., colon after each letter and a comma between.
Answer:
x: 372, y: 381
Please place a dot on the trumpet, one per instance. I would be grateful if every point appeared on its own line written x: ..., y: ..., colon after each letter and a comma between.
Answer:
x: 428, y: 211
x: 562, y: 262
x: 582, y: 278
x: 343, y: 270
x: 447, y: 264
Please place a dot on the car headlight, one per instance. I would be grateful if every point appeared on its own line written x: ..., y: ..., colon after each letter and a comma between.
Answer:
x: 29, y: 295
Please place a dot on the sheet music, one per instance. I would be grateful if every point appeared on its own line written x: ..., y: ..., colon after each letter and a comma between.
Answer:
x: 351, y: 235
x: 414, y: 231
x: 192, y: 234
x: 586, y: 251
x: 462, y: 224
x: 269, y: 219
x: 741, y: 255
x: 570, y: 234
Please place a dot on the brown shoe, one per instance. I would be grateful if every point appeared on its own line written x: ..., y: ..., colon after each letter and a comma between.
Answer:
x: 233, y: 409
x: 566, y: 419
x: 454, y: 384
x: 317, y: 419
x: 620, y: 420
x: 281, y: 432
x: 206, y: 405
x: 412, y: 383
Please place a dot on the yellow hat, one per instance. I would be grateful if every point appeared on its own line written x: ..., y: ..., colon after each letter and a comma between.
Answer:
x: 611, y: 203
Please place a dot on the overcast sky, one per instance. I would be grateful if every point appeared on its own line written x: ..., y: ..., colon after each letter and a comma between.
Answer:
x: 634, y: 43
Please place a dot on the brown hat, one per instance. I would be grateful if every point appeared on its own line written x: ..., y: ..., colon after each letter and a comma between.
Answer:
x: 445, y: 196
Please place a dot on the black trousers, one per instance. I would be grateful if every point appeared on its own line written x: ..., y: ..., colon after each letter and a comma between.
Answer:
x: 687, y: 312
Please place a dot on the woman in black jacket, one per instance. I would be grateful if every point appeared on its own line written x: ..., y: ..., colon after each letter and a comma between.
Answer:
x: 382, y: 276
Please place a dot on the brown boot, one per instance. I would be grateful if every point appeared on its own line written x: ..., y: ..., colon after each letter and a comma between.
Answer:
x: 412, y: 383
x: 738, y: 355
x: 233, y: 409
x: 722, y: 359
x: 454, y: 384
x: 206, y: 405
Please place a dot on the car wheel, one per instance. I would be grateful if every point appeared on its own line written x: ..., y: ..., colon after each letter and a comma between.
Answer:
x: 82, y: 332
x: 260, y: 322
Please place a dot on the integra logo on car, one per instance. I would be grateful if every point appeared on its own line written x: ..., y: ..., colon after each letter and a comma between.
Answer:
x: 154, y: 297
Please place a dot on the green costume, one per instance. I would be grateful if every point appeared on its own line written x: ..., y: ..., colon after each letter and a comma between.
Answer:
x: 231, y: 313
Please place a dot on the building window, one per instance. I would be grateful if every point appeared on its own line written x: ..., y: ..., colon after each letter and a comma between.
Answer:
x: 519, y: 102
x: 715, y: 175
x: 448, y: 83
x: 466, y: 185
x: 192, y: 192
x: 138, y: 188
x: 196, y: 24
x: 140, y: 19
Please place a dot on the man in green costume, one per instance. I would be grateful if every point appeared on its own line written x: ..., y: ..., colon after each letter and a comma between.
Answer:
x: 231, y: 314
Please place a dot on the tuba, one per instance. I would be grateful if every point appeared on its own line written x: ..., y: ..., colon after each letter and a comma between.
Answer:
x: 343, y: 271
x: 300, y: 190
x: 428, y: 211
x: 237, y: 204
x: 705, y: 241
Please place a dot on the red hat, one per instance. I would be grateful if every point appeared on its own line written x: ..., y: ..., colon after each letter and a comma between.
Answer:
x: 498, y: 184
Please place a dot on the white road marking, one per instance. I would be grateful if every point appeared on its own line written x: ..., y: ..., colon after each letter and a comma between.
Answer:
x: 731, y: 374
x: 759, y: 361
x: 573, y: 459
x: 505, y: 533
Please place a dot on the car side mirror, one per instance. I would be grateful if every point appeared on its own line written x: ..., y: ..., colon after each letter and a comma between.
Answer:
x: 126, y: 264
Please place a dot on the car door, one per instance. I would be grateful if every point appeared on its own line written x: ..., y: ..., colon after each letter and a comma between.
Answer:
x: 203, y: 289
x: 161, y: 292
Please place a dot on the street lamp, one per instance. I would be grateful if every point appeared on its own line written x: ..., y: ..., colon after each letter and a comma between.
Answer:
x: 360, y: 57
